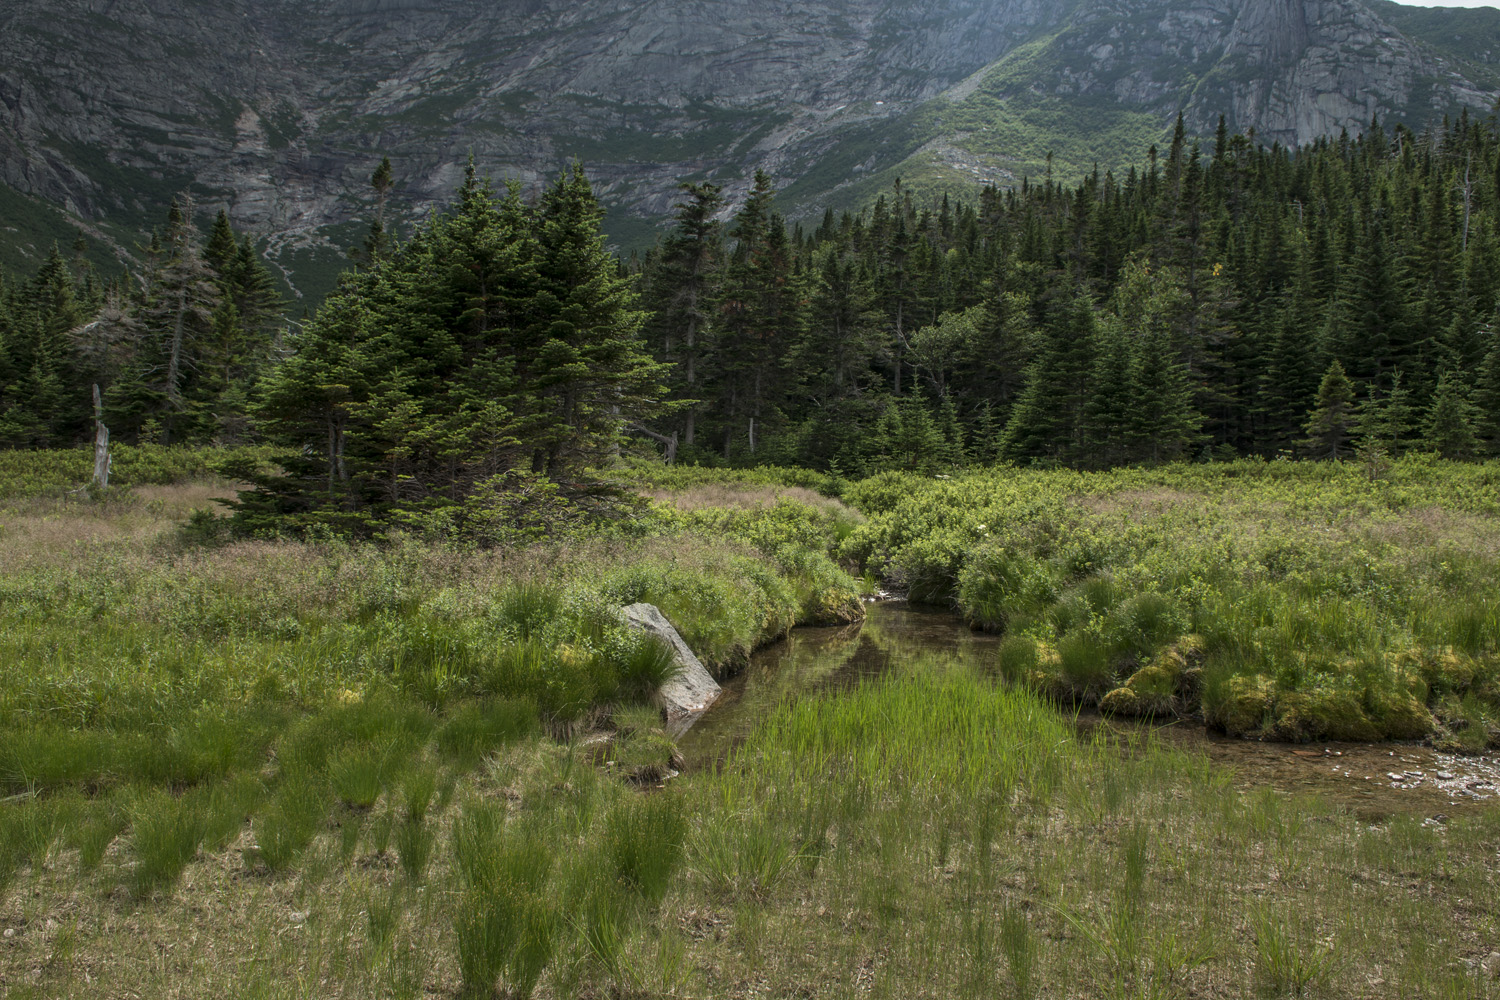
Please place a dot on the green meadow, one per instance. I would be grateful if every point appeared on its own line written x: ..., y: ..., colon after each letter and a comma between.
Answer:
x: 311, y: 768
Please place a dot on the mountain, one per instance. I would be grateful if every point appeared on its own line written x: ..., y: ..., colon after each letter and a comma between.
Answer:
x: 279, y: 110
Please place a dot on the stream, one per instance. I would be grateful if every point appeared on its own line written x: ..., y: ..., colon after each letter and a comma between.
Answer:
x: 1372, y: 780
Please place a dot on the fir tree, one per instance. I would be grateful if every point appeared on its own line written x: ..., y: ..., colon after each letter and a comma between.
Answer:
x: 681, y: 289
x: 1386, y: 421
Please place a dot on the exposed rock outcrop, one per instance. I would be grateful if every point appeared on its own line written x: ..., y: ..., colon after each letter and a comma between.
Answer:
x: 689, y: 694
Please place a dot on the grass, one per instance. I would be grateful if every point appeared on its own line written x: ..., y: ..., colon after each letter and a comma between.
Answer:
x: 278, y: 769
x: 1297, y: 601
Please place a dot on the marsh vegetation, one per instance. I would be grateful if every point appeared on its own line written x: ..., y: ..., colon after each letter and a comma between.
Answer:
x: 280, y: 768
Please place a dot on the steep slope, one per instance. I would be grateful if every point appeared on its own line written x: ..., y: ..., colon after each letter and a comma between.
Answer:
x: 279, y: 109
x: 1111, y: 80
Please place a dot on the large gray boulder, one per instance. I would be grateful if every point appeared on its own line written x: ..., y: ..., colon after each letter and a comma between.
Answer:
x: 688, y: 695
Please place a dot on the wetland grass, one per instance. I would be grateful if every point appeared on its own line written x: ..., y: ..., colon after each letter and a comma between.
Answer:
x: 348, y: 773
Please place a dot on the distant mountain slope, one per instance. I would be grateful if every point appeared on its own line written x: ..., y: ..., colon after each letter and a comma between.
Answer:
x: 279, y: 110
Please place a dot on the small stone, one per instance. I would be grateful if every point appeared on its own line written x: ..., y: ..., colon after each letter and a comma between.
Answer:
x: 1396, y: 777
x: 1491, y: 964
x: 300, y: 916
x: 1445, y: 776
x: 10, y: 932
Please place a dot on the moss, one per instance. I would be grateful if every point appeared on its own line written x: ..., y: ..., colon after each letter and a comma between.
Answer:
x: 1402, y: 716
x: 1155, y: 687
x: 1329, y: 712
x: 1122, y: 701
x: 1242, y: 706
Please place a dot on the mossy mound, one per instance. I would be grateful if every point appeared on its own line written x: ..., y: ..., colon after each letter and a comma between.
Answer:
x: 1121, y: 701
x: 1242, y: 706
x: 1329, y: 713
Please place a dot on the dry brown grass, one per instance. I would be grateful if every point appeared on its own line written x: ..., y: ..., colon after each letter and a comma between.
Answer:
x: 740, y: 496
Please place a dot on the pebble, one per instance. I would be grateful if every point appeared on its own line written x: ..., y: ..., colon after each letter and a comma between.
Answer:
x: 1491, y: 963
x: 1446, y: 776
x: 1396, y: 777
x: 10, y: 932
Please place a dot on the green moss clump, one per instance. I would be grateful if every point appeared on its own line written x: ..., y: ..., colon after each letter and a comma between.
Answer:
x: 1242, y: 705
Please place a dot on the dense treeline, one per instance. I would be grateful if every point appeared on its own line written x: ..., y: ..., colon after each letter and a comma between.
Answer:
x: 1225, y: 299
x: 177, y: 348
x: 1233, y: 300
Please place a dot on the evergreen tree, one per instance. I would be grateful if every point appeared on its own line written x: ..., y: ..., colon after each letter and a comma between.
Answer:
x: 499, y: 345
x: 1487, y: 398
x: 592, y: 370
x: 1331, y: 423
x: 681, y: 290
x: 1162, y: 424
x: 1385, y: 421
x: 1049, y: 420
x: 1449, y: 427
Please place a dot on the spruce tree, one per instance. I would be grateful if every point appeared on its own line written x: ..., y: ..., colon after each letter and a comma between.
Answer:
x: 1487, y: 398
x: 1386, y: 420
x: 1332, y: 421
x: 593, y: 371
x: 498, y: 345
x: 1049, y: 419
x: 1449, y: 427
x: 1162, y: 424
x: 681, y: 286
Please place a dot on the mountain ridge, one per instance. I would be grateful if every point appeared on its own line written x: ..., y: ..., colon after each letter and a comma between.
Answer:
x: 279, y: 111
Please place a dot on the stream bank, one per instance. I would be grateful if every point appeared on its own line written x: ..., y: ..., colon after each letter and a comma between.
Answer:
x: 1372, y: 780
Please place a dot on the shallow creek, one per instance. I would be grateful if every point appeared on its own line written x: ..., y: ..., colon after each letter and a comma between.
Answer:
x: 1374, y: 780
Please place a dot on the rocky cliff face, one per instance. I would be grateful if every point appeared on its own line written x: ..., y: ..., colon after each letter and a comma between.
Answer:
x: 1293, y: 70
x: 280, y: 109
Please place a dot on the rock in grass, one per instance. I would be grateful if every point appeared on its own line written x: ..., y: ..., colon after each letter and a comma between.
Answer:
x: 687, y: 695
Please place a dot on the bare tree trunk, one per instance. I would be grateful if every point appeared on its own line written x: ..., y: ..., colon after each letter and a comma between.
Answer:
x: 174, y: 359
x: 667, y: 441
x: 102, y: 461
x: 1468, y: 200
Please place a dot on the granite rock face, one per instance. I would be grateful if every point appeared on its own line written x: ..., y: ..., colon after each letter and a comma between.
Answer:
x: 279, y: 110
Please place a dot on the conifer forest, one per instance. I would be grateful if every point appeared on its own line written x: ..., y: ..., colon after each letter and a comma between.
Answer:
x: 1223, y: 300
